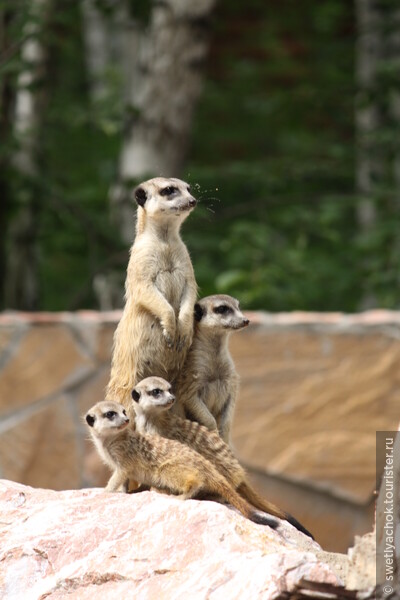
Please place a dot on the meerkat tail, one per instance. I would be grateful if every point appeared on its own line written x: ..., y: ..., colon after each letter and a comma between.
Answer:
x: 244, y: 507
x: 247, y: 492
x: 298, y: 525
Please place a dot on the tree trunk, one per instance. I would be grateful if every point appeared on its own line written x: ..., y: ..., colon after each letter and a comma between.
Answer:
x: 166, y: 61
x: 7, y: 102
x: 104, y: 36
x: 21, y: 288
x: 369, y: 51
x: 394, y: 115
x: 378, y: 112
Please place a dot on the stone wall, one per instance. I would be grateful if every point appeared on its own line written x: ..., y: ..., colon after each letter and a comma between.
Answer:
x: 315, y: 388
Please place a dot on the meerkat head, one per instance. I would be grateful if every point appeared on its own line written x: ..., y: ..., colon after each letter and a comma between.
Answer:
x: 165, y: 199
x: 106, y: 418
x: 220, y: 313
x: 152, y: 393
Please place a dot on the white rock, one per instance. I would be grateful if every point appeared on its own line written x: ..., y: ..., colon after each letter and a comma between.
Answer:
x: 82, y: 544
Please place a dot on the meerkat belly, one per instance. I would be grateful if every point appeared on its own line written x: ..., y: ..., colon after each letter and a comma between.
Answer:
x: 141, y: 348
x: 214, y: 394
x: 153, y: 357
x: 171, y: 283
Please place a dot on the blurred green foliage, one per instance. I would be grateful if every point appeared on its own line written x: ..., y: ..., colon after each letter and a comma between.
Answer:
x: 272, y: 159
x: 276, y: 126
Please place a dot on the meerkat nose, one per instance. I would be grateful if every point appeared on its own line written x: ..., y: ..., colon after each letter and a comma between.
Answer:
x: 246, y: 321
x: 192, y: 202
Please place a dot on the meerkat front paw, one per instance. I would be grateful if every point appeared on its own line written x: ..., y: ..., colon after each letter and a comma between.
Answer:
x: 169, y: 335
x: 185, y: 335
x: 181, y: 343
x: 211, y: 423
x: 169, y: 340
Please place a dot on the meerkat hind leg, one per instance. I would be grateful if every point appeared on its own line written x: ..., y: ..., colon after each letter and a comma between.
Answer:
x: 191, y: 487
x: 140, y: 488
x: 117, y: 482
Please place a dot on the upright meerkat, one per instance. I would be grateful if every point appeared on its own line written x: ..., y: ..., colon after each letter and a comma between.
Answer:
x: 156, y: 327
x: 208, y: 385
x: 157, y: 461
x: 152, y: 403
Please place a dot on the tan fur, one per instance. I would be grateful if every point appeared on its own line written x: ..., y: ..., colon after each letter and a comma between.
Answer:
x: 152, y: 403
x: 156, y: 328
x: 157, y: 461
x: 208, y: 384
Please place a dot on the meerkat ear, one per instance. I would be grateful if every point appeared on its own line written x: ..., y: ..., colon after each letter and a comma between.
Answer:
x: 90, y: 419
x: 140, y: 196
x: 199, y: 312
x: 135, y: 395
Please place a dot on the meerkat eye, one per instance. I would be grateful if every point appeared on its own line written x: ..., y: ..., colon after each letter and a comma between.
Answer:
x: 168, y: 191
x: 156, y: 392
x: 189, y: 189
x: 110, y: 414
x: 222, y: 310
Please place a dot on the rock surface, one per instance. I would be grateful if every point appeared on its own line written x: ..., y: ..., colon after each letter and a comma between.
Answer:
x: 79, y: 545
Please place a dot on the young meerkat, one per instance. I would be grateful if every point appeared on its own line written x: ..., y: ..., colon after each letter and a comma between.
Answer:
x: 208, y: 384
x: 156, y: 328
x: 158, y: 462
x: 152, y: 403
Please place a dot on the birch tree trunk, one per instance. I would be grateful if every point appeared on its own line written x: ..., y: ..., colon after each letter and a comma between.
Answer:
x: 166, y: 75
x: 377, y: 119
x: 369, y: 51
x: 105, y: 41
x: 394, y: 114
x: 22, y: 290
x: 7, y: 102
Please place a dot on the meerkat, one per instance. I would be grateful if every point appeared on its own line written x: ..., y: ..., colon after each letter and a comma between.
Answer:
x: 152, y: 403
x: 158, y: 462
x: 208, y: 384
x: 156, y: 328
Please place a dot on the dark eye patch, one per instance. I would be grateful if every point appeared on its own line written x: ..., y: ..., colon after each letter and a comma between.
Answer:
x: 168, y: 191
x: 156, y: 392
x: 222, y: 310
x: 189, y: 189
x: 110, y: 414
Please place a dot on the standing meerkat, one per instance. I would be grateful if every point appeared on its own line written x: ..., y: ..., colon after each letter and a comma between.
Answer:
x: 156, y: 328
x: 157, y: 461
x: 152, y: 403
x: 208, y: 384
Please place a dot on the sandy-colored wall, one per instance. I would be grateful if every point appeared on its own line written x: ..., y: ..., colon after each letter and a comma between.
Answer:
x: 314, y: 390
